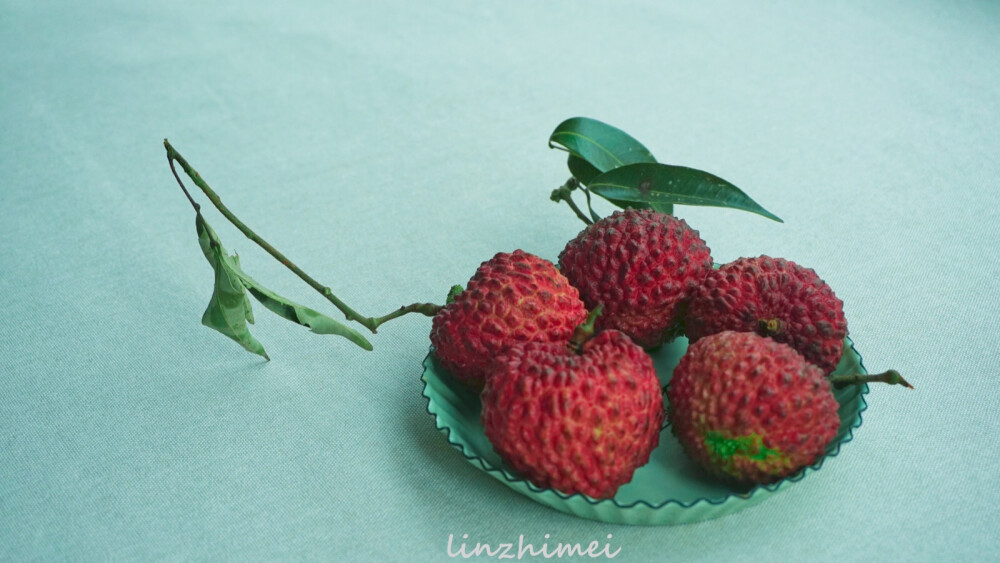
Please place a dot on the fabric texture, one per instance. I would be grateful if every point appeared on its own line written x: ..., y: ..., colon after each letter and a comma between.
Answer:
x: 388, y: 148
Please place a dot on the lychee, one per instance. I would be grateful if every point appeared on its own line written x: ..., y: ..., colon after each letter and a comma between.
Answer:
x: 772, y: 297
x: 640, y: 265
x: 577, y: 421
x: 513, y: 297
x: 750, y: 409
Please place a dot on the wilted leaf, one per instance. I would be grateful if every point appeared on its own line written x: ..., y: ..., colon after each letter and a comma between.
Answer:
x: 299, y: 314
x: 224, y: 313
x: 229, y: 309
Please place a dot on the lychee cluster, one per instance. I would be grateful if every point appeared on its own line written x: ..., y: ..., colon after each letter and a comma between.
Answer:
x: 749, y: 401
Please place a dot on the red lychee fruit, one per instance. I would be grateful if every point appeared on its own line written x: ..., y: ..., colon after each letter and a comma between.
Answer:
x: 578, y: 422
x: 772, y: 297
x: 513, y: 297
x: 749, y: 409
x: 640, y: 265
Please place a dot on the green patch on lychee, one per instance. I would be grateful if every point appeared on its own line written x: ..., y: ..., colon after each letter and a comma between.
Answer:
x: 453, y: 293
x: 750, y: 448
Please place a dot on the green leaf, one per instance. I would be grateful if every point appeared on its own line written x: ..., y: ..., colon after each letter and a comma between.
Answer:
x: 581, y: 169
x: 229, y: 309
x: 666, y: 184
x: 604, y: 147
x: 596, y: 147
x: 235, y: 281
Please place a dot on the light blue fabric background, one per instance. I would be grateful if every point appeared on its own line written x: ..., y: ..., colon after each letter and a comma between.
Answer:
x: 389, y: 148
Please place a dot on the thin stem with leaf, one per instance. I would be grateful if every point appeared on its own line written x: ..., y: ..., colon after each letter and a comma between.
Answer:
x: 371, y: 323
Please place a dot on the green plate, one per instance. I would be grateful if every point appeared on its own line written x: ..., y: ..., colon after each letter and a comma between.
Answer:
x: 670, y: 489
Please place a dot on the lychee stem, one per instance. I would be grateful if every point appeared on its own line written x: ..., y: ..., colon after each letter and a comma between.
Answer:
x: 771, y: 327
x: 564, y: 193
x: 891, y: 377
x: 584, y: 330
x: 371, y: 323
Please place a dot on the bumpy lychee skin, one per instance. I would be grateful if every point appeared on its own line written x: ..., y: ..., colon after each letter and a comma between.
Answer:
x: 579, y: 423
x: 513, y: 297
x: 641, y: 266
x: 772, y: 297
x: 749, y: 409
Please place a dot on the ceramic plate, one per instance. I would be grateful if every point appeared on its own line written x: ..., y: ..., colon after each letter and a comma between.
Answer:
x: 670, y: 489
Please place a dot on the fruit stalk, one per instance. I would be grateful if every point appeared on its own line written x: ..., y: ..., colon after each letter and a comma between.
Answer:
x: 585, y: 330
x: 371, y: 323
x: 564, y: 193
x: 891, y: 377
